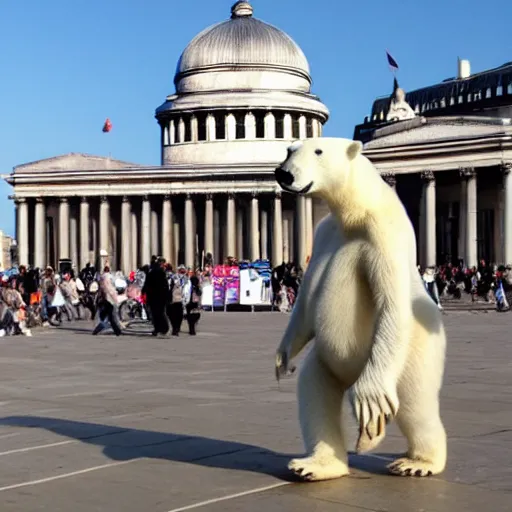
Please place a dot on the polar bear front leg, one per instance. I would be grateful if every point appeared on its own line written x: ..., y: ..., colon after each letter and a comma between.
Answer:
x: 320, y: 398
x: 298, y: 334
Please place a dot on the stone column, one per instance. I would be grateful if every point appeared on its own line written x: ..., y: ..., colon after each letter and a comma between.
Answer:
x: 155, y: 249
x: 506, y: 169
x: 181, y: 130
x: 40, y: 234
x: 63, y: 228
x: 126, y: 231
x: 134, y: 238
x: 84, y: 232
x: 287, y: 257
x: 429, y: 196
x: 277, y: 237
x: 194, y: 129
x: 264, y: 234
x: 167, y: 231
x: 145, y: 231
x: 250, y: 126
x: 301, y: 231
x: 105, y: 226
x: 189, y: 232
x: 309, y: 226
x: 471, y: 248
x: 73, y: 236
x: 230, y: 226
x: 255, y: 228
x: 22, y: 231
x: 172, y: 133
x: 270, y: 126
x: 240, y: 232
x: 462, y: 218
x: 302, y: 128
x: 208, y: 225
x: 166, y: 136
x: 287, y: 127
x: 315, y: 124
x: 390, y: 179
x: 230, y: 127
x: 210, y: 128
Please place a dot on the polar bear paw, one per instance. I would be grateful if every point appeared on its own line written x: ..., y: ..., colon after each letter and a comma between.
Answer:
x: 411, y: 467
x: 313, y: 469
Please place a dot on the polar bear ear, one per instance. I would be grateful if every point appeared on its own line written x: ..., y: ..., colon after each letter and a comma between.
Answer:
x: 354, y: 149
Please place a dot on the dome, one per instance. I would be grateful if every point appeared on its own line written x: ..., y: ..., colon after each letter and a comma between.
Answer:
x: 242, y: 41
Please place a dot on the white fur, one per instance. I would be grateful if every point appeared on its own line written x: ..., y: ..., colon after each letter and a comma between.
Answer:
x: 378, y: 334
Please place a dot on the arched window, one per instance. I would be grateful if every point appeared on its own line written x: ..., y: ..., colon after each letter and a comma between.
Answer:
x: 260, y: 124
x: 279, y: 125
x: 201, y: 127
x: 220, y: 125
x: 295, y: 127
x: 188, y: 129
x: 240, y: 125
x: 176, y: 130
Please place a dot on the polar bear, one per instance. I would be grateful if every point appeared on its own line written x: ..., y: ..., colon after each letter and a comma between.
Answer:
x: 378, y: 335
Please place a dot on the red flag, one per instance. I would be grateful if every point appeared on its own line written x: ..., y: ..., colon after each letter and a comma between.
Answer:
x: 107, y: 126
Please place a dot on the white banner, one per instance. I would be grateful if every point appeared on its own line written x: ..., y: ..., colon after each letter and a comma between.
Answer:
x: 253, y: 292
x: 207, y: 296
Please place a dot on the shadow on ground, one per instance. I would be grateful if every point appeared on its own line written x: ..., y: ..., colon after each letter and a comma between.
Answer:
x: 122, y: 444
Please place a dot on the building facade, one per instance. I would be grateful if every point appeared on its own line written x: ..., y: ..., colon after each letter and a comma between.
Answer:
x: 243, y: 93
x: 447, y: 150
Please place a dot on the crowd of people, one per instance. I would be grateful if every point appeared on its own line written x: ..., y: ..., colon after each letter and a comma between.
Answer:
x: 32, y: 297
x: 167, y: 297
x: 489, y: 283
x: 156, y: 293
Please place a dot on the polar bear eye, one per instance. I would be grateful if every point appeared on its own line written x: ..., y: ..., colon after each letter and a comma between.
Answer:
x: 318, y: 152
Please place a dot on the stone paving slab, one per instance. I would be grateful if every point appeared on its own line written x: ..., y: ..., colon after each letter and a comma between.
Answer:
x: 147, y: 424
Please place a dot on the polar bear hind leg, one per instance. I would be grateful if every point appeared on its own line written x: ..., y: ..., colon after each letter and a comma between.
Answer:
x: 320, y: 398
x: 419, y: 420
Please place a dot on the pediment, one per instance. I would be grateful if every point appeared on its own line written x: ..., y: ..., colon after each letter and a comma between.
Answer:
x: 433, y: 130
x: 73, y: 161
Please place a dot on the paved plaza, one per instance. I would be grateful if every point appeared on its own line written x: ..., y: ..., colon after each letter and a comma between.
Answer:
x: 142, y: 424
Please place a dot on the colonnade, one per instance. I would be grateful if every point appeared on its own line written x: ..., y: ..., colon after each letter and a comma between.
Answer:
x: 224, y: 125
x: 468, y: 209
x: 127, y: 230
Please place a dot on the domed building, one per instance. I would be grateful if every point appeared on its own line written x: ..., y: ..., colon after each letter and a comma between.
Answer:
x: 243, y: 93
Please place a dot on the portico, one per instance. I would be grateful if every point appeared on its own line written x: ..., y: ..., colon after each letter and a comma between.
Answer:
x: 458, y: 193
x: 176, y: 221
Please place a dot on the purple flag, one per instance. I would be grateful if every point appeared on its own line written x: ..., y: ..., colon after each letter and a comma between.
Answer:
x: 391, y: 61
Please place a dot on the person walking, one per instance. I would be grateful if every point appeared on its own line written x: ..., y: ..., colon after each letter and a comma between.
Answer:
x: 107, y: 302
x: 194, y: 305
x: 156, y: 289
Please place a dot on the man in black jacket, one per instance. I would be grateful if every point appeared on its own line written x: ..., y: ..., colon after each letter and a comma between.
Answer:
x: 156, y: 289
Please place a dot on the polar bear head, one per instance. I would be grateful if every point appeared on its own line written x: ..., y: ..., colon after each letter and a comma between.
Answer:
x: 318, y: 166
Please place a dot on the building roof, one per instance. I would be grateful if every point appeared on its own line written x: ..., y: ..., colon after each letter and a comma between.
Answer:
x: 73, y: 161
x: 481, y: 91
x: 435, y: 130
x: 240, y: 42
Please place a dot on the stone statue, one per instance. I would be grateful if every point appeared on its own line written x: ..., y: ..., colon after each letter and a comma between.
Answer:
x: 399, y: 109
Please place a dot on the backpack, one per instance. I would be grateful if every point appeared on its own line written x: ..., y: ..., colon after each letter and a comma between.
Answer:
x: 176, y: 291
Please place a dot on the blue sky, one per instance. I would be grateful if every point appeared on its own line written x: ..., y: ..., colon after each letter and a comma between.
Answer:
x: 67, y: 65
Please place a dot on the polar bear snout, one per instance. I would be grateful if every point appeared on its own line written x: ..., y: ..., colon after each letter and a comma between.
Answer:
x: 284, y: 177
